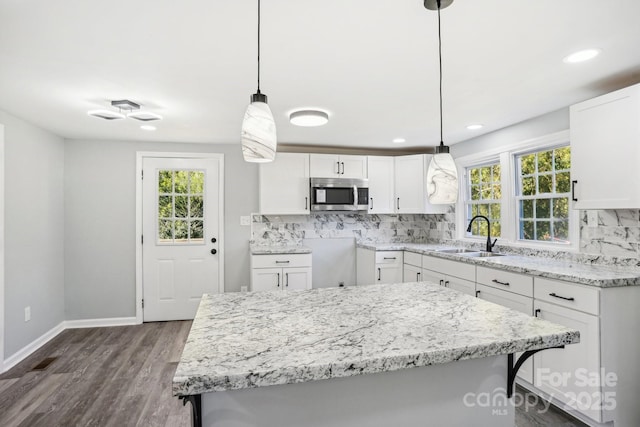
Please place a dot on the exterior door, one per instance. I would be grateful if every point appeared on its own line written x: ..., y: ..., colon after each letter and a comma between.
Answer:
x: 181, y: 240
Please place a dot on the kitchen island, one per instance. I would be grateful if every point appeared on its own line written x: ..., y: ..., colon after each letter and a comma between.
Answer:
x: 400, y: 354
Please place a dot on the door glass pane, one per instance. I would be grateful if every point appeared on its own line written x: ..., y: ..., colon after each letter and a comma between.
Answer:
x: 180, y: 207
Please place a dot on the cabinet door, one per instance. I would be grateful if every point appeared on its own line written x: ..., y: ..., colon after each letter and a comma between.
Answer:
x: 297, y: 278
x: 411, y: 273
x: 324, y: 165
x: 432, y: 277
x: 516, y: 302
x: 609, y: 122
x: 461, y: 285
x: 558, y: 372
x: 381, y: 182
x: 410, y: 184
x: 266, y: 279
x: 284, y: 185
x: 353, y: 167
x: 388, y: 273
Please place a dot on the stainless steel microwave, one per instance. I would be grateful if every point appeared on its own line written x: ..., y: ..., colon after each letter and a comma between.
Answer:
x: 339, y: 194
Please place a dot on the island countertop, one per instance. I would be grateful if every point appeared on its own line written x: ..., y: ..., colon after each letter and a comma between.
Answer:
x: 257, y: 339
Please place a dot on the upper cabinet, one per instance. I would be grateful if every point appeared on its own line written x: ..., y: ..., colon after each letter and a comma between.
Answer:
x: 284, y: 185
x: 605, y: 151
x: 410, y: 185
x: 381, y: 184
x: 338, y: 166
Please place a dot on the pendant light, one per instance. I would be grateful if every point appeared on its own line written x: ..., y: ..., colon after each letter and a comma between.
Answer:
x: 258, y: 127
x: 442, y: 174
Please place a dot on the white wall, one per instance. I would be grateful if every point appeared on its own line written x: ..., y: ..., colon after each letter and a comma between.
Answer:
x: 34, y: 221
x: 100, y: 222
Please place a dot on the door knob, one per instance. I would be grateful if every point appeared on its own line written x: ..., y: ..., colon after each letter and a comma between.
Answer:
x: 213, y: 251
x: 213, y: 240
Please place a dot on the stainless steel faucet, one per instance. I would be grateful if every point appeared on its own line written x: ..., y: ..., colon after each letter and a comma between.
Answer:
x: 489, y: 244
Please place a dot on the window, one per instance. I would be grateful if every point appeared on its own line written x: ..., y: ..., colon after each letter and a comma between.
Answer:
x: 484, y: 195
x: 180, y: 206
x: 542, y: 193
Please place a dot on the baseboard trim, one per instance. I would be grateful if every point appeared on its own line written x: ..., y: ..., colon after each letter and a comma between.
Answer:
x: 27, y: 350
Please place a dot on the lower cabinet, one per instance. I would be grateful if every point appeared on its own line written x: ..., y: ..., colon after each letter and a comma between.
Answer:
x: 377, y: 267
x: 286, y: 271
x: 456, y: 275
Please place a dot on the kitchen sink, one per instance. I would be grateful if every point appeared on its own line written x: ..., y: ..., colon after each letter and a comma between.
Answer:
x: 457, y: 251
x: 482, y: 254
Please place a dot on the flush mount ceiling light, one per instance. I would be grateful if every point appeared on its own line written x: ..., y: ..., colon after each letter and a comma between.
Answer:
x: 106, y: 114
x: 144, y: 116
x: 309, y: 118
x: 399, y: 140
x: 442, y: 174
x: 581, y: 56
x: 148, y: 127
x: 475, y: 127
x: 258, y: 136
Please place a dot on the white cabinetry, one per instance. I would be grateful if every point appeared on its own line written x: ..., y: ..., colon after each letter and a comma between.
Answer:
x: 605, y: 150
x: 451, y: 274
x: 376, y: 267
x: 286, y: 271
x: 410, y: 185
x: 412, y: 269
x: 510, y: 290
x: 334, y: 165
x: 381, y: 184
x: 284, y: 185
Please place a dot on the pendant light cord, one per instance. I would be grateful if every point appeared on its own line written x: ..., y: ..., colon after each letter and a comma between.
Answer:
x: 440, y: 61
x: 258, y: 46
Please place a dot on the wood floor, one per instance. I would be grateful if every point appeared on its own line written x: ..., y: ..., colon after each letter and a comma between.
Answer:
x: 121, y: 376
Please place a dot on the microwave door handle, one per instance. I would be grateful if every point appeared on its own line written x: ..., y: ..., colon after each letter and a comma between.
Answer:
x: 355, y: 197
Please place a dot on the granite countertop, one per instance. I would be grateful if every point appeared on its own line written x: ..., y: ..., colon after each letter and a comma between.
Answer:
x: 271, y: 250
x: 257, y: 339
x: 586, y: 274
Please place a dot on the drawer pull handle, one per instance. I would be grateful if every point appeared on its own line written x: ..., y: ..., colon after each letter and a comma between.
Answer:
x: 553, y: 294
x: 477, y: 294
x: 537, y: 312
x: 573, y: 190
x: 379, y: 273
x: 286, y: 276
x: 417, y: 277
x: 500, y: 283
x: 283, y: 262
x: 390, y: 257
x: 278, y: 279
x: 446, y: 284
x: 441, y: 282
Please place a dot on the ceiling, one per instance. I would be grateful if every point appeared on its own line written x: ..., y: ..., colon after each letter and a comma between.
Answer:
x: 372, y: 65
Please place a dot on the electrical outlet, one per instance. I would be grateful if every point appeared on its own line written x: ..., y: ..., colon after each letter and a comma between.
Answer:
x: 27, y: 313
x: 592, y: 219
x: 245, y: 220
x: 244, y: 289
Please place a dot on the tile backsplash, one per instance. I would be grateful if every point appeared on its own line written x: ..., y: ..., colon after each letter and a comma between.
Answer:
x: 615, y: 239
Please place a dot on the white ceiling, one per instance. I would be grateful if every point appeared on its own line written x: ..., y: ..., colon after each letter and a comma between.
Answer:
x: 371, y: 64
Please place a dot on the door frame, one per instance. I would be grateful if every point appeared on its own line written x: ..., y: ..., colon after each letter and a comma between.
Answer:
x: 140, y: 156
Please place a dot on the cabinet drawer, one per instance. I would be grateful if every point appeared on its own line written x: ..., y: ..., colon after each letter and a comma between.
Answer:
x: 389, y: 257
x: 567, y: 294
x: 450, y: 268
x: 506, y: 299
x: 413, y: 258
x: 284, y: 260
x: 505, y: 280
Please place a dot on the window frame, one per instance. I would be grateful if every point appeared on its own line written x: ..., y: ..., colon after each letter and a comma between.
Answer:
x: 506, y: 156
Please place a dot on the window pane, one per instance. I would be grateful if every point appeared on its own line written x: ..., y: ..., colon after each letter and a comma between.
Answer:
x: 181, y: 230
x: 165, y: 184
x: 196, y: 210
x: 526, y: 208
x: 495, y: 229
x: 526, y: 230
x: 485, y: 174
x: 545, y: 161
x: 196, y: 182
x: 543, y: 230
x: 485, y: 192
x: 181, y: 182
x: 563, y: 183
x: 483, y: 210
x: 475, y: 192
x: 529, y: 186
x: 496, y: 173
x: 528, y: 164
x: 165, y: 207
x: 495, y: 211
x: 181, y: 206
x: 561, y: 230
x: 561, y: 207
x: 497, y: 191
x: 165, y: 230
x: 543, y: 208
x: 196, y: 230
x: 563, y: 158
x: 545, y: 184
x: 474, y: 174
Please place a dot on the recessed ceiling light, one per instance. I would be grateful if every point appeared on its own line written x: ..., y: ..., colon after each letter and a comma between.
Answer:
x: 309, y: 118
x: 106, y: 114
x: 475, y: 126
x: 580, y: 56
x: 399, y: 140
x: 148, y: 127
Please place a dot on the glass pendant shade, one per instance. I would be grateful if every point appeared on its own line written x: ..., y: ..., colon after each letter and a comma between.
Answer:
x: 442, y: 180
x: 258, y: 134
